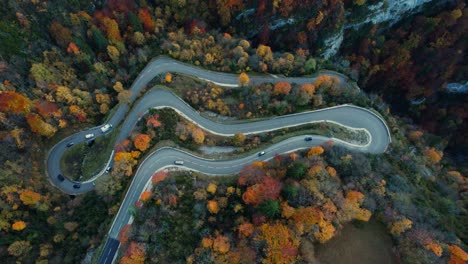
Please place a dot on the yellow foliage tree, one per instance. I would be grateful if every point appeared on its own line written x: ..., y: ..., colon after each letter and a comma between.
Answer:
x: 29, y: 197
x: 168, y: 77
x: 113, y: 53
x: 19, y: 248
x: 398, y: 227
x: 198, y: 135
x: 243, y: 79
x: 211, y: 188
x: 124, y: 96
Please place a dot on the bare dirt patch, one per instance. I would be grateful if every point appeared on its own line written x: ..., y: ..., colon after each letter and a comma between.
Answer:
x: 368, y: 244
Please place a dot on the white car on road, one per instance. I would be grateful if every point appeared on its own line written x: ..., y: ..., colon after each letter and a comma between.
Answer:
x: 88, y: 136
x: 106, y: 128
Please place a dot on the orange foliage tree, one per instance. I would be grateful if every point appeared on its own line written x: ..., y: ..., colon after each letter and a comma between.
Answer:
x: 141, y: 142
x: 79, y: 113
x: 212, y: 206
x: 282, y: 88
x: 304, y: 218
x: 29, y: 197
x: 39, y: 126
x: 18, y: 225
x: 315, y: 151
x: 282, y: 243
x: 168, y: 77
x: 73, y: 48
x: 135, y: 254
x: 145, y: 196
x: 434, y: 155
x: 207, y: 242
x: 245, y: 230
x: 457, y: 255
x: 11, y: 101
x: 308, y: 88
x: 434, y: 247
x: 221, y: 244
x: 124, y: 162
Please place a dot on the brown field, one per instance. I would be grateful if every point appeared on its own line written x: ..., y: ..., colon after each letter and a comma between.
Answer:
x: 368, y: 244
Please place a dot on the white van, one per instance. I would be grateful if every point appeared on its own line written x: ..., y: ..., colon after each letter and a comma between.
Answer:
x: 88, y: 136
x: 106, y: 128
x: 178, y: 162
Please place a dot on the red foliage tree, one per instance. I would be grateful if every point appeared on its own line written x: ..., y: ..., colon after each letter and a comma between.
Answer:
x: 159, y: 176
x: 267, y: 189
x: 146, y: 20
x: 47, y: 109
x: 250, y: 174
x: 134, y: 254
x: 124, y: 234
x: 11, y: 101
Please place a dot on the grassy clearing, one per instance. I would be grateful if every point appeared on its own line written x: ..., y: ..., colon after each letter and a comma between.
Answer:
x: 367, y: 244
x: 81, y: 162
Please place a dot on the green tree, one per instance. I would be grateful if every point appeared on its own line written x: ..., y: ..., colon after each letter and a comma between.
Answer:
x: 297, y: 170
x: 310, y: 65
x: 289, y: 192
x: 99, y: 40
x: 134, y: 22
x: 270, y: 208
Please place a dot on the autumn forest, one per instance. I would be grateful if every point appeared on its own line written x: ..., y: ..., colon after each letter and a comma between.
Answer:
x: 67, y: 66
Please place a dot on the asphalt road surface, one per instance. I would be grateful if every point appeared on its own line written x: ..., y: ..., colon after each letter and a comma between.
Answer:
x: 346, y: 115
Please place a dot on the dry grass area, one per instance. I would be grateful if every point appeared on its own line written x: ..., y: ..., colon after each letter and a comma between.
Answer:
x: 368, y: 244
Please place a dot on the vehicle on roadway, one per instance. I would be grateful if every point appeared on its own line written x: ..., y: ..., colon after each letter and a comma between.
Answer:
x: 308, y: 138
x: 108, y: 169
x: 106, y: 128
x: 178, y: 162
x: 89, y: 135
x: 76, y: 186
x: 60, y: 177
x: 70, y: 144
x: 261, y: 153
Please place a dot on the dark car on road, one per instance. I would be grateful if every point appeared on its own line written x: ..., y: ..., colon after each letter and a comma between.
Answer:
x: 70, y: 144
x: 60, y: 177
x: 308, y: 139
x: 261, y: 153
x: 76, y: 186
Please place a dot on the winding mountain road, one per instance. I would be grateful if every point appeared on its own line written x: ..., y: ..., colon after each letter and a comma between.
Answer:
x: 350, y: 116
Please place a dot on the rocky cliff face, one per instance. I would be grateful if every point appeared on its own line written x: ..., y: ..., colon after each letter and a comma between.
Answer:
x: 390, y: 11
